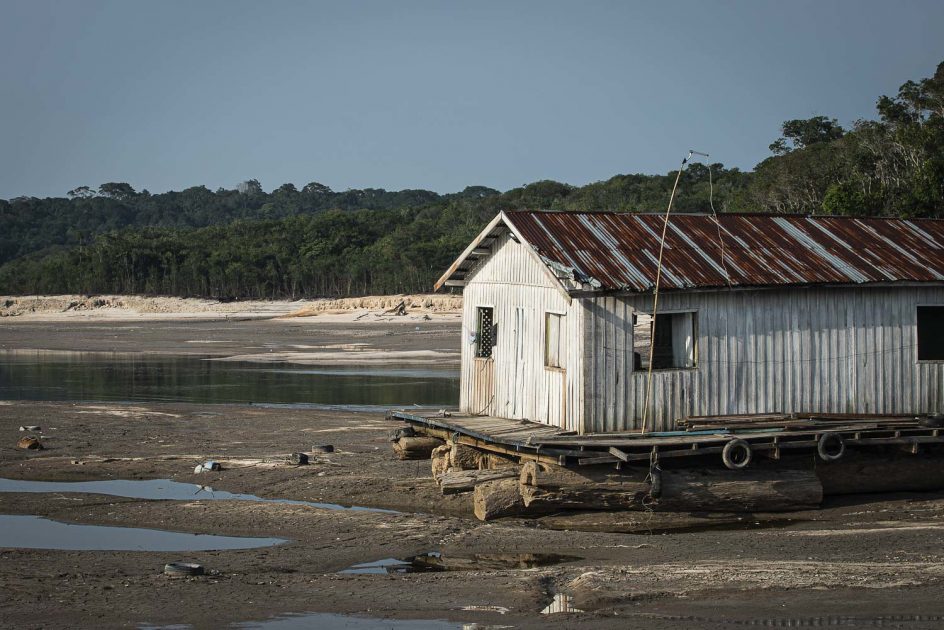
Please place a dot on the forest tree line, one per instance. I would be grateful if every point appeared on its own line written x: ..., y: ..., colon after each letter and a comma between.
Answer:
x: 313, y: 241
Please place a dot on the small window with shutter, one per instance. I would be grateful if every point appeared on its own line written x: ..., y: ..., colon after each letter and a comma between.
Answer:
x: 486, y: 333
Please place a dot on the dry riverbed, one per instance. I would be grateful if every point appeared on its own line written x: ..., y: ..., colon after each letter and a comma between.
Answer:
x: 867, y: 560
x: 860, y: 562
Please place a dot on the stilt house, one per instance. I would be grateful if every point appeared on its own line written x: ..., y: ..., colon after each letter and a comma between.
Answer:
x: 757, y: 314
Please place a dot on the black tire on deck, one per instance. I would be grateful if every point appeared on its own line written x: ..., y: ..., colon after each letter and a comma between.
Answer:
x: 830, y: 447
x: 736, y: 454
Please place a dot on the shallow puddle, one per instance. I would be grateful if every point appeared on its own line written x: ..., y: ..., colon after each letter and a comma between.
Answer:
x: 435, y: 561
x: 345, y: 622
x: 159, y: 489
x: 560, y: 604
x: 35, y: 532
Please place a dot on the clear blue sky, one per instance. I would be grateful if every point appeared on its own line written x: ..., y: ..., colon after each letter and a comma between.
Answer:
x: 439, y: 95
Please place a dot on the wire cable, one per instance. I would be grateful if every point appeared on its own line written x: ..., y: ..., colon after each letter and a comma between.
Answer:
x: 714, y: 215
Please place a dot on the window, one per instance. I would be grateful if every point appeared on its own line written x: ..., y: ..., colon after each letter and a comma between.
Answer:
x: 674, y: 343
x: 553, y: 340
x: 486, y: 332
x: 931, y: 333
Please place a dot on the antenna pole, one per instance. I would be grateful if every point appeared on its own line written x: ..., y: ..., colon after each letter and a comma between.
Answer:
x: 655, y: 294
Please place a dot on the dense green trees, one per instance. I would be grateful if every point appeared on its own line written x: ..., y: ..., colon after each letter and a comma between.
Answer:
x: 318, y: 242
x: 893, y: 166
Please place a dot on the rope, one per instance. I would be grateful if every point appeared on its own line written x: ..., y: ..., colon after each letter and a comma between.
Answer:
x: 655, y: 294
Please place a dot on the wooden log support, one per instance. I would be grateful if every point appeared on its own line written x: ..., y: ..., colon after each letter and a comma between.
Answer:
x: 552, y: 477
x: 463, y: 457
x: 457, y: 481
x: 415, y: 447
x: 555, y: 488
x: 860, y: 473
x: 632, y: 496
x: 696, y: 490
x: 498, y: 499
x: 710, y: 490
x: 439, y: 461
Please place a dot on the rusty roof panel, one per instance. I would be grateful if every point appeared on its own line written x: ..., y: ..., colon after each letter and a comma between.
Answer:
x: 621, y: 251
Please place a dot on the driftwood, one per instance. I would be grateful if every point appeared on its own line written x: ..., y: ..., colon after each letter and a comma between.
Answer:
x: 709, y: 490
x: 415, y: 447
x: 858, y: 473
x: 457, y: 481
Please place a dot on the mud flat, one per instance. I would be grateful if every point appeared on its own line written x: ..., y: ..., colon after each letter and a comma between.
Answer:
x: 868, y: 560
x: 354, y: 332
x: 860, y: 562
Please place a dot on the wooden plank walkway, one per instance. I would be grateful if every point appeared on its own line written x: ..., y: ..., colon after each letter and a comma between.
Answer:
x: 706, y: 436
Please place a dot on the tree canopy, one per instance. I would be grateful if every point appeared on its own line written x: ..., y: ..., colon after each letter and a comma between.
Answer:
x: 318, y: 242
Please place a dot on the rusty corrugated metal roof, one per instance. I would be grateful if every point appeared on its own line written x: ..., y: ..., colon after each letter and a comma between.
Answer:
x: 608, y: 251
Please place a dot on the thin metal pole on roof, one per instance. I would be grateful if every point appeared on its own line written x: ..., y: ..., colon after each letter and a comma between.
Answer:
x: 655, y: 293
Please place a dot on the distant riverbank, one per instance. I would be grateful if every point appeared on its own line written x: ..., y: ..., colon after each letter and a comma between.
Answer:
x: 54, y: 308
x: 349, y: 332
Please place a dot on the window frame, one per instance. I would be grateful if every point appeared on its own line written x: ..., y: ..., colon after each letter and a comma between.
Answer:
x: 560, y: 341
x: 674, y: 311
x: 918, y: 360
x: 478, y: 333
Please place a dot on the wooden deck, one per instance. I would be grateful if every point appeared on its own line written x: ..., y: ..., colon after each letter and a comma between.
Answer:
x: 767, y: 435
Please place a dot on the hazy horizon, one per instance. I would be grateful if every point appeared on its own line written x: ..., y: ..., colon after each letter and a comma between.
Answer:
x: 429, y: 95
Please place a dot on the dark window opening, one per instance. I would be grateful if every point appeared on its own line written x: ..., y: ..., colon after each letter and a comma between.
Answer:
x: 931, y: 333
x: 486, y: 332
x: 673, y: 346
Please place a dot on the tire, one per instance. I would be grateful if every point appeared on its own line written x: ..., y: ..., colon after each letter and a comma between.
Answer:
x: 935, y: 421
x: 182, y: 569
x: 830, y: 447
x: 736, y: 454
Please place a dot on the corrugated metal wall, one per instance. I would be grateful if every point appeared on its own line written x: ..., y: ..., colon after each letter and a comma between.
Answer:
x: 513, y: 283
x: 836, y: 350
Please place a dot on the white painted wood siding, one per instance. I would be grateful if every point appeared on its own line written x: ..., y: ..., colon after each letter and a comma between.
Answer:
x: 512, y: 282
x: 836, y: 350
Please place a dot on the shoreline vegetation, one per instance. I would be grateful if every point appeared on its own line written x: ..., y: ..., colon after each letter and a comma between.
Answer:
x: 312, y: 241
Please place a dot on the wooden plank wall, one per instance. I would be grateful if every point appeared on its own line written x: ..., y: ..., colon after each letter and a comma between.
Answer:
x: 513, y: 283
x: 836, y: 350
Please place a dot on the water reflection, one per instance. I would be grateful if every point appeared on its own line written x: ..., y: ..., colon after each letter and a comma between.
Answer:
x: 158, y: 489
x: 89, y: 376
x: 560, y: 604
x: 435, y: 561
x: 35, y: 532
